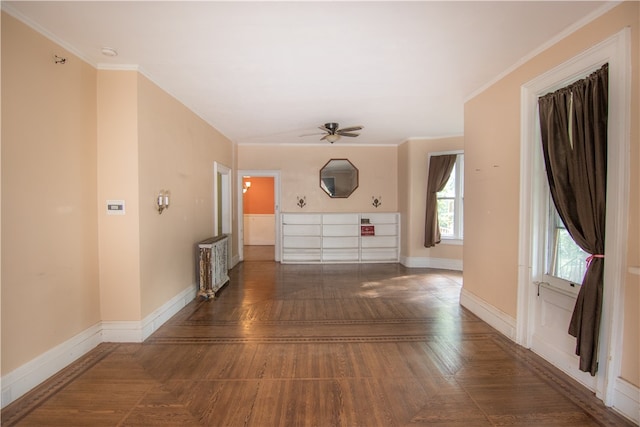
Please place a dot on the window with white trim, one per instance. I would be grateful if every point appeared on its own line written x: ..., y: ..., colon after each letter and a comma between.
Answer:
x: 565, y: 259
x: 450, y: 203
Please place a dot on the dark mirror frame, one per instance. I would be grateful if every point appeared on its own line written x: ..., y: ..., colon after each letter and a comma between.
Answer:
x: 337, y: 186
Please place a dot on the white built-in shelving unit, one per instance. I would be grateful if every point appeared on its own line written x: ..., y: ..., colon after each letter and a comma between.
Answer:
x: 340, y: 237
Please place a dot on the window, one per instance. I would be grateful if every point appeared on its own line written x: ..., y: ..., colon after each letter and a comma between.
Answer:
x: 565, y: 259
x: 450, y: 203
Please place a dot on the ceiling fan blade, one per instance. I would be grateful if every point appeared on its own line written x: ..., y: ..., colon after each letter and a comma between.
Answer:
x: 324, y: 128
x: 350, y: 129
x: 341, y: 133
x: 324, y: 137
x: 312, y: 134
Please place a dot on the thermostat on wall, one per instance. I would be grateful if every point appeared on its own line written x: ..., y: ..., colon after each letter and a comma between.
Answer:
x: 115, y: 207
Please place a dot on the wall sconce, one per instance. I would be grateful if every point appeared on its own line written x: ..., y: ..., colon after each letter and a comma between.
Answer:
x: 245, y: 186
x: 302, y: 201
x: 162, y: 200
x: 377, y: 201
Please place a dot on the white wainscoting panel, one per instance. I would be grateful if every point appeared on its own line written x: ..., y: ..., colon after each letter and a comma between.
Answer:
x: 550, y: 338
x: 627, y: 400
x: 259, y: 229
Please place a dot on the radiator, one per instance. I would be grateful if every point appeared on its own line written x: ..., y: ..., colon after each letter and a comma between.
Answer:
x: 213, y: 270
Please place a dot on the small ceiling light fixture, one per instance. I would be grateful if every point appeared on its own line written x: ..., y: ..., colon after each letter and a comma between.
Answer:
x: 332, y: 138
x: 109, y: 51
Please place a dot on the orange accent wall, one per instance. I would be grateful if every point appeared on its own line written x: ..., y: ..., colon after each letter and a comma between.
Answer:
x: 259, y: 198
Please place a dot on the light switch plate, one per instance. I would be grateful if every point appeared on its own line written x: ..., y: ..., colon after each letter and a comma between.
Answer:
x: 115, y: 207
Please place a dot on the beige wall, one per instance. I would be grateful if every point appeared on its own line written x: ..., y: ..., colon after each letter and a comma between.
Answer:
x: 147, y: 142
x: 0, y: 205
x: 177, y: 151
x: 413, y: 161
x: 119, y: 241
x: 492, y: 138
x: 74, y: 138
x: 300, y: 168
x: 49, y: 220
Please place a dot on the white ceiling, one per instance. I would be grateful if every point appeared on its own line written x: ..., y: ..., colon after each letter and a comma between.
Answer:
x: 267, y: 72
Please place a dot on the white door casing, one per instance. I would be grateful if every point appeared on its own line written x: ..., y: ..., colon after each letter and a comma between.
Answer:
x: 533, y: 194
x: 222, y: 204
x: 275, y: 174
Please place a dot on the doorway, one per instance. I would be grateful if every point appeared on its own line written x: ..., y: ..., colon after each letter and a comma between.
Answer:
x: 222, y: 205
x: 258, y: 218
x: 258, y: 215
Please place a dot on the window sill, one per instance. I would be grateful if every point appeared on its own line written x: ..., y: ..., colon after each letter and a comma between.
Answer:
x: 449, y: 241
x: 561, y: 286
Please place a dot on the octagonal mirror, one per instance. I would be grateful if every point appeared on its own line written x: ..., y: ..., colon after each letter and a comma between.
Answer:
x: 339, y: 178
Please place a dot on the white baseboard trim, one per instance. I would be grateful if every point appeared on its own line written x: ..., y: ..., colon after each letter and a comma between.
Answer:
x: 159, y: 316
x: 626, y: 396
x: 121, y: 331
x: 234, y: 261
x: 138, y: 331
x: 566, y: 362
x: 497, y: 319
x: 24, y: 378
x: 21, y: 380
x: 626, y: 400
x: 430, y: 262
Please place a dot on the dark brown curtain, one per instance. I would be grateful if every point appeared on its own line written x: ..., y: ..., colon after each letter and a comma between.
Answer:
x: 440, y: 168
x: 573, y: 123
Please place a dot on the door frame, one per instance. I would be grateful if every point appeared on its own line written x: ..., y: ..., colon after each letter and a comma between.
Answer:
x: 615, y: 51
x: 275, y: 174
x: 223, y: 219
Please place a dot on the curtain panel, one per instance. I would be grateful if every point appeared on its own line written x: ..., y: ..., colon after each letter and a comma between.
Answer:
x: 573, y: 123
x: 440, y: 168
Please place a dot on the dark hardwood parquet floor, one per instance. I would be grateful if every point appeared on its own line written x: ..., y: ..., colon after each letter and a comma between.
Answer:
x: 316, y: 345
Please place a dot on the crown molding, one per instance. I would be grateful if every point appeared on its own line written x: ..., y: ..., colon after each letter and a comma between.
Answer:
x: 10, y: 10
x: 563, y: 34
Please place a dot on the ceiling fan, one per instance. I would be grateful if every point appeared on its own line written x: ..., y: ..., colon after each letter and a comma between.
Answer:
x: 332, y: 132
